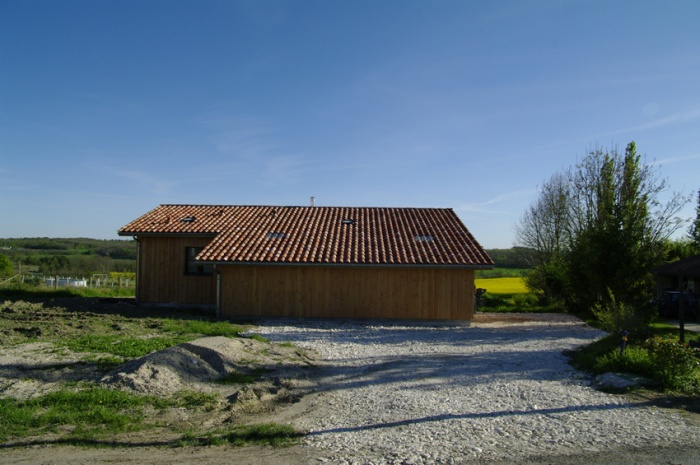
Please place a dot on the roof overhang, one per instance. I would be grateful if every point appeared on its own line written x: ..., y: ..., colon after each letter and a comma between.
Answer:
x: 349, y: 265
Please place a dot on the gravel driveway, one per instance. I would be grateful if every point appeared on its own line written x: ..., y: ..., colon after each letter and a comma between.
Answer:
x: 406, y: 393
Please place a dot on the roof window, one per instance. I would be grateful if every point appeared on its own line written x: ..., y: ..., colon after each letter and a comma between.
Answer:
x: 275, y: 235
x: 347, y: 221
x: 187, y: 219
x: 423, y: 238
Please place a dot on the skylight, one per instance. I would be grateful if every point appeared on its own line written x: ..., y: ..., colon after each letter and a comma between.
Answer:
x: 423, y: 238
x: 275, y: 235
x: 347, y: 221
x: 187, y: 219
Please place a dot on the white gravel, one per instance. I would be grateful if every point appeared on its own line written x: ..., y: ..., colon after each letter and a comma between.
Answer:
x: 419, y: 394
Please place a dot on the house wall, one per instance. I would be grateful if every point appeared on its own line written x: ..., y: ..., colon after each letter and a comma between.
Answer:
x: 161, y: 273
x: 347, y: 292
x: 667, y: 282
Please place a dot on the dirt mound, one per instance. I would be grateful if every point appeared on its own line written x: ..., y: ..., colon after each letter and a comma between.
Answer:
x: 199, y: 364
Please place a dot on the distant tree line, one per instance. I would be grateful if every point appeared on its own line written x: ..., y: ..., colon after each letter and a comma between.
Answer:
x: 515, y: 257
x: 70, y: 257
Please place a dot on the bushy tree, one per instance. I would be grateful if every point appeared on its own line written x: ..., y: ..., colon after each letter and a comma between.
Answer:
x: 544, y: 233
x: 6, y: 268
x: 55, y: 264
x: 599, y: 229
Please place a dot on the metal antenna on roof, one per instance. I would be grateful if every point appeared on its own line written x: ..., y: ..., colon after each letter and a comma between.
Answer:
x: 313, y: 201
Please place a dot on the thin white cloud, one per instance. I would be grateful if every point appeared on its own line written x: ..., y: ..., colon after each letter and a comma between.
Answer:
x: 667, y: 121
x: 499, y: 199
x: 673, y: 160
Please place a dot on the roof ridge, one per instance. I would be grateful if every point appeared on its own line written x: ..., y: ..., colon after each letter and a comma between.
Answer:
x: 299, y: 206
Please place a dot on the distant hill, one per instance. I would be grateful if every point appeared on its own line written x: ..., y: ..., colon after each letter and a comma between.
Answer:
x: 112, y: 248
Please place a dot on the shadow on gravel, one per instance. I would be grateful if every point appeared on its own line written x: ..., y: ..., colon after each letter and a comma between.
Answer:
x: 429, y: 357
x: 477, y: 416
x: 430, y: 372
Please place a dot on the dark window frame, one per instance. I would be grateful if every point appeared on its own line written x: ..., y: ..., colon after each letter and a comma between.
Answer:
x: 194, y: 269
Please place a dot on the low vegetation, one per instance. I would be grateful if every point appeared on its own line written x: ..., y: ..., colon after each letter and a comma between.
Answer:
x: 104, y: 333
x: 657, y: 355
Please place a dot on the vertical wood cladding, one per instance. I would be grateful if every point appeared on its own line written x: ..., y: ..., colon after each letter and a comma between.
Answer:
x: 347, y: 292
x: 162, y: 276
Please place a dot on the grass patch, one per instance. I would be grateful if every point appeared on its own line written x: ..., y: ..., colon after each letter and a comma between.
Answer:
x: 202, y: 327
x: 31, y: 292
x: 191, y: 399
x: 123, y: 346
x: 83, y: 414
x: 263, y: 434
x: 88, y: 412
x: 501, y: 273
x: 258, y: 338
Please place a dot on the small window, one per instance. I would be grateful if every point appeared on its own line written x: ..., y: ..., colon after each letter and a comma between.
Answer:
x: 348, y: 221
x: 423, y: 238
x: 275, y: 235
x: 192, y: 268
x: 187, y: 219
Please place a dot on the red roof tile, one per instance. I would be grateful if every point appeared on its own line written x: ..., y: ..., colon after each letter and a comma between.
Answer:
x: 319, y: 235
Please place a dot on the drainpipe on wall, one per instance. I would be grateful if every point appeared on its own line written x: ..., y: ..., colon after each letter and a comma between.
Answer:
x: 138, y: 268
x: 218, y: 292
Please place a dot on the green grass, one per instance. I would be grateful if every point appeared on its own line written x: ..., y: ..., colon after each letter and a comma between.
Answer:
x: 263, y: 434
x: 89, y: 412
x: 31, y: 292
x: 501, y: 273
x: 82, y: 414
x: 258, y: 338
x: 123, y: 346
x: 203, y: 328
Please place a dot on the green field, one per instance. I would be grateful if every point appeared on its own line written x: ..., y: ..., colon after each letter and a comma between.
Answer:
x: 502, y: 285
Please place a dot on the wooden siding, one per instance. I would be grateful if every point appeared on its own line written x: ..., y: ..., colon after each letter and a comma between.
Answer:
x: 162, y: 278
x: 347, y: 292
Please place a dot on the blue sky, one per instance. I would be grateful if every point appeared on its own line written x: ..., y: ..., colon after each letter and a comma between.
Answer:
x: 110, y: 108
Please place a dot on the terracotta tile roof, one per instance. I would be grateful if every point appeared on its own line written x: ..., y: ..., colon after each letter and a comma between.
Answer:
x: 319, y: 235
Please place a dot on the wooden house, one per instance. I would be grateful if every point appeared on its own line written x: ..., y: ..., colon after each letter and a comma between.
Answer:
x: 318, y: 262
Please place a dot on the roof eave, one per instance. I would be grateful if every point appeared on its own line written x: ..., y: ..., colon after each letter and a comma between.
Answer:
x: 346, y: 265
x: 169, y: 234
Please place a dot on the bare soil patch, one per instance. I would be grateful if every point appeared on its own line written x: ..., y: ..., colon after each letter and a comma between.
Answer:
x: 246, y: 378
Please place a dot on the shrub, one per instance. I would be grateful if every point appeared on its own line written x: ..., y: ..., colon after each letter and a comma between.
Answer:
x: 675, y: 366
x: 525, y: 301
x: 634, y: 359
x: 615, y: 316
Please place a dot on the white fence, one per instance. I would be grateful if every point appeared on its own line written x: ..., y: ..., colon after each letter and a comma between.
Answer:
x: 66, y: 282
x: 94, y: 281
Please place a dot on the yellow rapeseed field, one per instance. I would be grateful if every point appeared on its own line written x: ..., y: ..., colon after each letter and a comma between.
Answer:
x: 502, y: 285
